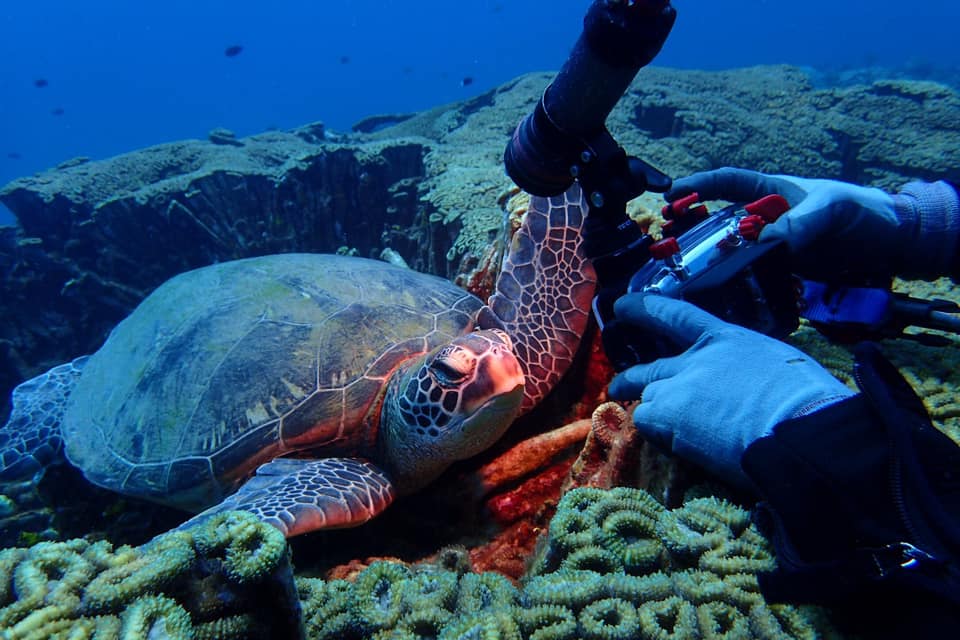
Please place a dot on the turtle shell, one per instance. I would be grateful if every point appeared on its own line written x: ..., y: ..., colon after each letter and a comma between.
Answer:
x: 226, y: 367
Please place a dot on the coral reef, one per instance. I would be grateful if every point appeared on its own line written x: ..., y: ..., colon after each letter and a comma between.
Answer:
x: 610, y: 452
x: 526, y: 457
x: 230, y: 578
x: 516, y: 491
x: 615, y: 564
x: 845, y: 75
x: 223, y: 136
x: 773, y: 119
x: 522, y: 484
x: 95, y: 236
x: 627, y: 567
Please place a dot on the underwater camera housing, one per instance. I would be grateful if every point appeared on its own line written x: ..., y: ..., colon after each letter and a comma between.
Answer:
x: 712, y: 260
x: 716, y: 262
x: 708, y: 260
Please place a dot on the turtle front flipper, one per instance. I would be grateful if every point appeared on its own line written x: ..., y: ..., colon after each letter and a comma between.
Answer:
x: 544, y: 291
x: 298, y: 495
x: 30, y: 440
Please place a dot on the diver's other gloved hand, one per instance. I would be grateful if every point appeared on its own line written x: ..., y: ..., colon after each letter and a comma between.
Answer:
x: 729, y: 387
x: 835, y: 226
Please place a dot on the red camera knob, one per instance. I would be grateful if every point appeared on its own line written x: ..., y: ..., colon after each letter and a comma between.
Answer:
x: 750, y: 226
x: 682, y: 207
x: 768, y: 207
x: 664, y: 248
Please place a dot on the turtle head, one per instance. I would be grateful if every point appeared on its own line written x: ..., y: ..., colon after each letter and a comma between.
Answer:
x: 449, y: 405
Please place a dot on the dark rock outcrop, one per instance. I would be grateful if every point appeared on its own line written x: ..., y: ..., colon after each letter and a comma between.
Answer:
x: 95, y: 238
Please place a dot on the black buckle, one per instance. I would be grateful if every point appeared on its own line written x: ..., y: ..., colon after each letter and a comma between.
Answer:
x: 899, y: 556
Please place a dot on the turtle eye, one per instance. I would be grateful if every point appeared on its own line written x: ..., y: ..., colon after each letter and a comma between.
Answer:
x: 451, y: 366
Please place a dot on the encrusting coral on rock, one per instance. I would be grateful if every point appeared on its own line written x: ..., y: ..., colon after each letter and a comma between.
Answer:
x: 229, y: 578
x: 611, y: 449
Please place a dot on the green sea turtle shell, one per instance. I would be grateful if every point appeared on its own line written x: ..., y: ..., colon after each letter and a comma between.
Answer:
x: 229, y: 366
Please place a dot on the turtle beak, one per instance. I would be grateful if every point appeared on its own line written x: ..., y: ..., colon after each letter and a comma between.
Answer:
x: 498, y: 373
x: 506, y: 374
x: 491, y: 408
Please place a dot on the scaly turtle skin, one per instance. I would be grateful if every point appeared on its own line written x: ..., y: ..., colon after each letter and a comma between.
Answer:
x: 310, y: 389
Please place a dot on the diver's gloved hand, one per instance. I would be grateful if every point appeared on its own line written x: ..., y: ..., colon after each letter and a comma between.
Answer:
x: 835, y: 226
x: 729, y: 387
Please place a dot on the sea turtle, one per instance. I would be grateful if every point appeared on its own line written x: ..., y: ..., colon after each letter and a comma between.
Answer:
x: 310, y: 389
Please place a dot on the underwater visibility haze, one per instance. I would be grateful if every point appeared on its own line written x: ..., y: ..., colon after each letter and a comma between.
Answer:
x: 104, y: 77
x: 276, y: 227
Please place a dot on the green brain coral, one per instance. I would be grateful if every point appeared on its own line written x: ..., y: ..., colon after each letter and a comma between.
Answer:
x: 629, y: 568
x: 615, y: 564
x: 227, y: 578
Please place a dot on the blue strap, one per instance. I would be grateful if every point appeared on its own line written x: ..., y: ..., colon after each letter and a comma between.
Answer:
x: 844, y: 305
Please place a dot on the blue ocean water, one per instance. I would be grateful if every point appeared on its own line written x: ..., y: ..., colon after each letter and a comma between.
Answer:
x: 102, y: 77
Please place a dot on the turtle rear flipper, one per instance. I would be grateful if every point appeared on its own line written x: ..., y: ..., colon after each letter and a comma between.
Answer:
x: 31, y: 440
x: 298, y: 495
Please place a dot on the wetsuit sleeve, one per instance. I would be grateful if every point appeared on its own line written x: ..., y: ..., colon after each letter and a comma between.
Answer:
x: 826, y: 467
x: 929, y: 217
x: 955, y: 264
x: 862, y: 503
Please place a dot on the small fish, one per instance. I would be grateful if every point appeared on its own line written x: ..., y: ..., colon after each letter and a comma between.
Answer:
x: 466, y: 82
x: 233, y: 50
x: 58, y: 111
x: 344, y: 59
x: 40, y: 83
x: 13, y: 155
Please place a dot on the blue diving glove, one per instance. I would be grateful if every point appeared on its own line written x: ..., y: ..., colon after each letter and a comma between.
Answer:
x: 729, y: 387
x: 834, y: 227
